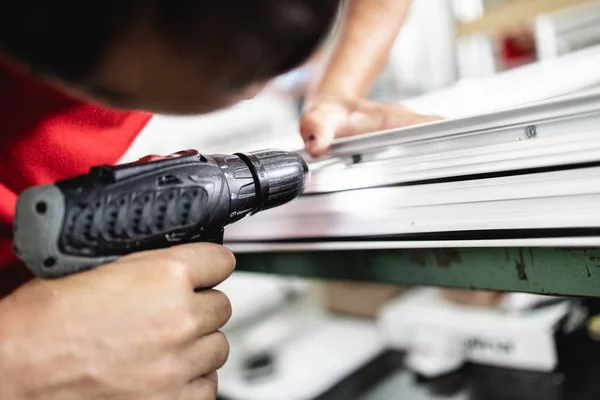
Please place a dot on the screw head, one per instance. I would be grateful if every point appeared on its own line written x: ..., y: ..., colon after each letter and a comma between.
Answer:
x: 49, y: 262
x: 41, y: 207
x: 531, y: 131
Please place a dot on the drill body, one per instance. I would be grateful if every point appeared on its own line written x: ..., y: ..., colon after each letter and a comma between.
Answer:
x: 92, y: 219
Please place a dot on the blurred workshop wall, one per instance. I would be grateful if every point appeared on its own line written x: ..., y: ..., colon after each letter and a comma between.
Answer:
x: 446, y: 41
x: 363, y: 300
x: 495, y: 36
x: 567, y: 29
x: 489, y: 17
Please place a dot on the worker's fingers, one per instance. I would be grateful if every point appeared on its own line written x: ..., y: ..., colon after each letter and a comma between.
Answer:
x: 214, y: 307
x: 206, y: 264
x: 368, y: 116
x: 204, y: 388
x: 397, y: 116
x: 320, y: 124
x: 331, y: 119
x: 205, y: 355
x: 364, y: 117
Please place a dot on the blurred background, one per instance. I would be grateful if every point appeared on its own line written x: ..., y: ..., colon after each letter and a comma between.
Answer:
x: 302, y: 339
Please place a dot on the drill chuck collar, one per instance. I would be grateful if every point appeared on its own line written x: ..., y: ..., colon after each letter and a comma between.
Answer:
x: 92, y: 219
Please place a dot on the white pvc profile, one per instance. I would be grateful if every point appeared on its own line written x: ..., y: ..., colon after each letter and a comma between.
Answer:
x: 512, y: 122
x: 450, y: 158
x: 266, y: 247
x: 435, y: 184
x: 555, y: 200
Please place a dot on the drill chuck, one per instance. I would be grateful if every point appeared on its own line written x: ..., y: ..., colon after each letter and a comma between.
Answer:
x: 92, y: 219
x: 280, y: 177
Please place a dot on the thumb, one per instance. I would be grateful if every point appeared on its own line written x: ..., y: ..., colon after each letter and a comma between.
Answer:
x: 320, y: 125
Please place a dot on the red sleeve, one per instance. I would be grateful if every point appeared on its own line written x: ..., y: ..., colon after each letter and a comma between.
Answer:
x: 47, y: 136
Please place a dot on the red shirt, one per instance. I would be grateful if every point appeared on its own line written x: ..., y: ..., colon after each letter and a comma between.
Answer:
x: 46, y: 136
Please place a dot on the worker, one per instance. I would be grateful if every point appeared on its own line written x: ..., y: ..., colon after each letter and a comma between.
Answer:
x: 78, y: 82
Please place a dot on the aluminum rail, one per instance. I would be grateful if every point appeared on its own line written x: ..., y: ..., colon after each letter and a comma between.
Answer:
x: 563, y: 141
x: 515, y: 120
x: 530, y: 174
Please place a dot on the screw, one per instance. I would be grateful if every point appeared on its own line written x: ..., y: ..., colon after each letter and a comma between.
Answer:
x: 531, y: 131
x: 41, y: 207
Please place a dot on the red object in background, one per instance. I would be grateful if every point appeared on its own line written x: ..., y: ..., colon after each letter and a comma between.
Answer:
x: 48, y: 136
x: 517, y: 48
x: 512, y: 49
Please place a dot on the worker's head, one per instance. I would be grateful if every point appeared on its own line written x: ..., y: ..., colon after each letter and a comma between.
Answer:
x: 176, y: 56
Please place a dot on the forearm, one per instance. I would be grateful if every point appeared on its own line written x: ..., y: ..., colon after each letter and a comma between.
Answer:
x: 8, y: 379
x: 368, y: 31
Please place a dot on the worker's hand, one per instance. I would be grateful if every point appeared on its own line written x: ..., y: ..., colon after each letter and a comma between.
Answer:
x: 132, y: 329
x: 328, y: 118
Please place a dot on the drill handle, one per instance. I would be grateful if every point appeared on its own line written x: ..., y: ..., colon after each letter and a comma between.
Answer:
x: 93, y: 219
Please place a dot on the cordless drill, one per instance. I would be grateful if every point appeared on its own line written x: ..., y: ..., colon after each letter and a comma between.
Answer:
x: 92, y: 219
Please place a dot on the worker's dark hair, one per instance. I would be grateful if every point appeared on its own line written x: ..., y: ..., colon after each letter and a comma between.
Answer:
x: 68, y: 38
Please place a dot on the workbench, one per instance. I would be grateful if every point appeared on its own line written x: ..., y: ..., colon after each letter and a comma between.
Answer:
x: 551, y: 271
